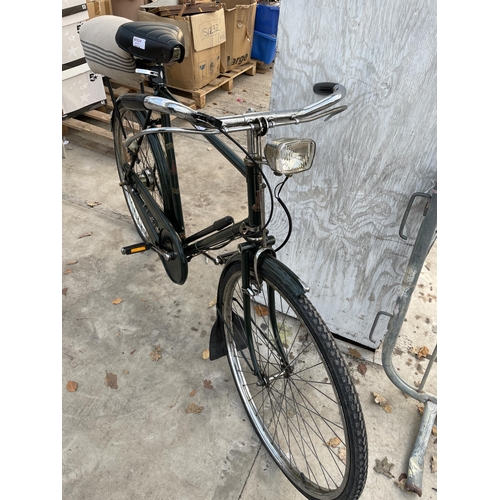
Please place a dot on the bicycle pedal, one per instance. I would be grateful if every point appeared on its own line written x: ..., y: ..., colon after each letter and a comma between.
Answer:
x: 138, y: 247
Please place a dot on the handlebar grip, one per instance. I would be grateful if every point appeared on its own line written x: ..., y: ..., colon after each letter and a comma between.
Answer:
x: 133, y: 102
x: 324, y: 88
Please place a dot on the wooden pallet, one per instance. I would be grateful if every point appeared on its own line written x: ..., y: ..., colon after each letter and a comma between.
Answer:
x: 224, y: 81
x: 96, y: 124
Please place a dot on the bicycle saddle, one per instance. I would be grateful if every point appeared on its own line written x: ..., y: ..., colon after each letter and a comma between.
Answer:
x: 112, y: 46
x: 152, y: 41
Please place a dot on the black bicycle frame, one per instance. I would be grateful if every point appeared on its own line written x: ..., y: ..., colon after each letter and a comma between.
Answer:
x: 172, y: 198
x: 252, y: 225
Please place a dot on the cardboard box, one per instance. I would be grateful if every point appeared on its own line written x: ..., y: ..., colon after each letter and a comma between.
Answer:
x: 99, y: 8
x: 127, y: 8
x: 72, y: 50
x: 240, y: 20
x: 82, y: 90
x: 203, y: 34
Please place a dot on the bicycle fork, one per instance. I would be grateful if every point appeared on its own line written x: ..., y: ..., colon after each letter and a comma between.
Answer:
x: 273, y: 341
x: 250, y: 257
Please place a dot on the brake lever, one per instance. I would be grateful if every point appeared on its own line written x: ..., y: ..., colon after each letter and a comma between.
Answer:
x: 207, y: 120
x: 336, y: 111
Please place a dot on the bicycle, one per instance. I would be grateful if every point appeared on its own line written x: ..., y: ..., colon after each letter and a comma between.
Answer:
x: 289, y: 372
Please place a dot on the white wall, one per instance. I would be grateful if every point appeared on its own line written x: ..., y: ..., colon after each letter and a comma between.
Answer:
x: 370, y: 159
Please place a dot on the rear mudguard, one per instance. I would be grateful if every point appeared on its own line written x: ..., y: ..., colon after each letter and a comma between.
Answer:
x: 276, y: 270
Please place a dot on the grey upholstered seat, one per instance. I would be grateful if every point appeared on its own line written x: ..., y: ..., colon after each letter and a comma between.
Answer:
x: 102, y: 53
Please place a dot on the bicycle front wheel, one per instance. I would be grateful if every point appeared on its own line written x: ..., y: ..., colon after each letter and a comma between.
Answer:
x: 302, y: 404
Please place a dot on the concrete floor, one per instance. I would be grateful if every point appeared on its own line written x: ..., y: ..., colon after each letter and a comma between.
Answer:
x: 136, y: 441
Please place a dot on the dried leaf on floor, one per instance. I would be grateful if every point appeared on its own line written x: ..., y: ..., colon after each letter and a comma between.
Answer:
x: 362, y: 368
x: 71, y: 262
x: 261, y: 310
x: 401, y: 483
x: 380, y: 400
x: 354, y: 353
x: 68, y: 271
x: 333, y: 442
x: 205, y: 354
x: 192, y: 393
x: 434, y: 463
x: 64, y: 291
x: 155, y: 354
x: 421, y: 409
x: 71, y: 386
x: 85, y: 235
x: 212, y: 303
x: 423, y: 351
x: 126, y: 372
x: 383, y: 467
x: 342, y: 454
x: 434, y: 430
x: 194, y: 408
x: 117, y: 301
x: 207, y: 384
x: 93, y: 204
x: 111, y: 380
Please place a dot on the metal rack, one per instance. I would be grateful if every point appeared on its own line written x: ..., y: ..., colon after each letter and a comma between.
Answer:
x: 423, y: 244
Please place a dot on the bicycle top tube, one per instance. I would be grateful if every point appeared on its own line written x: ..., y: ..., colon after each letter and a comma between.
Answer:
x: 206, y: 124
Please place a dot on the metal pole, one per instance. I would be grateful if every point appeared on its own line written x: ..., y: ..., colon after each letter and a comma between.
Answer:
x: 423, y: 244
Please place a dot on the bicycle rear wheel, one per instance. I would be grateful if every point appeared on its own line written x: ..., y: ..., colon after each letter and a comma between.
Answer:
x: 148, y: 172
x: 304, y: 408
x: 149, y: 166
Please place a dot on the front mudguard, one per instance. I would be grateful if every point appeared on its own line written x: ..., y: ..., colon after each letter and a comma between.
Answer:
x: 275, y: 270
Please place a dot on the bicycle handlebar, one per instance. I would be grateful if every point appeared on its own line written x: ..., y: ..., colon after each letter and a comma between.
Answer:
x: 252, y: 120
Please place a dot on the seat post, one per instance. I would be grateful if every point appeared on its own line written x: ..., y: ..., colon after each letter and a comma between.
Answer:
x: 107, y: 82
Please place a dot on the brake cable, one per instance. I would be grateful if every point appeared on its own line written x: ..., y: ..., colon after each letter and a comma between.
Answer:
x: 289, y: 217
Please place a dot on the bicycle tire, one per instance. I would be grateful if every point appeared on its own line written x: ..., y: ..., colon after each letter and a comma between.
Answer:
x: 310, y: 418
x: 150, y: 166
x: 150, y: 170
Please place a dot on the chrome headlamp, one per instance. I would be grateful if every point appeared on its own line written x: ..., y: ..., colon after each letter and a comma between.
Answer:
x: 290, y: 156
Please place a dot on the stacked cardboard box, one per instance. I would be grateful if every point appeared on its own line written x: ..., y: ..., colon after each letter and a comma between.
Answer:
x: 99, y: 8
x: 216, y: 42
x: 82, y: 90
x: 127, y: 8
x: 203, y: 35
x: 240, y: 20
